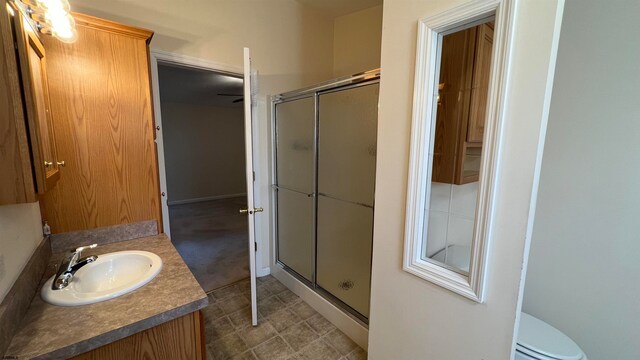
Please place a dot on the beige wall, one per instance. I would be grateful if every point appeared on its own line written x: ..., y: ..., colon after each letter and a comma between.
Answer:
x: 357, y: 39
x: 291, y: 45
x: 584, y: 271
x: 412, y: 318
x: 204, y: 151
x: 20, y: 234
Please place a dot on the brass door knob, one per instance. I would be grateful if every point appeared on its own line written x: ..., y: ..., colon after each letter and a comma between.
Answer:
x: 60, y: 163
x: 48, y: 163
x: 244, y: 211
x: 258, y: 209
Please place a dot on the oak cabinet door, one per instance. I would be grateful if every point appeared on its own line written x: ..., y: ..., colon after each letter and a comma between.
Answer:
x: 32, y: 60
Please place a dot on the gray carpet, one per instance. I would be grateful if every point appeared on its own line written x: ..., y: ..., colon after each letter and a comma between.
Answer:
x: 212, y: 238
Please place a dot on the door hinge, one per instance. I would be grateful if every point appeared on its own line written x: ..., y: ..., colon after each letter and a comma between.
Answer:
x: 255, y: 245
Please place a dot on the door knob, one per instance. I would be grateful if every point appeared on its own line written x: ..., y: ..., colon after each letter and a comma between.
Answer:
x: 60, y: 163
x: 48, y: 163
x: 247, y: 211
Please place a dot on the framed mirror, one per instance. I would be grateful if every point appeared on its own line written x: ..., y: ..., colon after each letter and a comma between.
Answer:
x: 460, y: 72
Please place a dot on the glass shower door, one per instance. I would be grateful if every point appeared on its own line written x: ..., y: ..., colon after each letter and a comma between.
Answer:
x: 295, y: 184
x: 346, y: 182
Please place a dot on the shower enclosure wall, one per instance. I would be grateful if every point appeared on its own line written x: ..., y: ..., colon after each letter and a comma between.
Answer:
x: 325, y: 157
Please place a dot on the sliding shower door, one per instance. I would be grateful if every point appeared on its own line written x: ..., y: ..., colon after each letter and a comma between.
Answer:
x: 346, y: 180
x: 295, y: 184
x: 325, y: 140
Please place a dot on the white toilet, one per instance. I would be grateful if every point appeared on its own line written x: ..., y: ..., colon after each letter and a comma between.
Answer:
x: 538, y: 340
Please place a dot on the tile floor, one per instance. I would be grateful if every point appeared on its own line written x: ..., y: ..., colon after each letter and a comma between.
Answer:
x: 288, y: 328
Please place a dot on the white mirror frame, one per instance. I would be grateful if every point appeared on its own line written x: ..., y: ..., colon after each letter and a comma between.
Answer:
x: 422, y: 137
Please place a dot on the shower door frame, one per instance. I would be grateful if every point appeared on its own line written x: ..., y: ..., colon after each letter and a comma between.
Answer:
x: 340, y: 84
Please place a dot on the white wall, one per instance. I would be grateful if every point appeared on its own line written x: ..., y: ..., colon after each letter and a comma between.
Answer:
x: 357, y: 38
x: 20, y: 234
x: 204, y: 150
x: 412, y: 318
x: 584, y: 271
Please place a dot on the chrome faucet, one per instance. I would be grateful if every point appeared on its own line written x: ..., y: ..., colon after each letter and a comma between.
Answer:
x: 70, y: 265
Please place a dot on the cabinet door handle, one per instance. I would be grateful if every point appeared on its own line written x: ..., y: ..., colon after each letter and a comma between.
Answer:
x: 48, y: 163
x: 60, y: 163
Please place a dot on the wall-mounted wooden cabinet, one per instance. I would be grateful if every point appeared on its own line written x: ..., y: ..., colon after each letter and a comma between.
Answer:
x: 462, y: 102
x: 33, y: 68
x: 27, y: 147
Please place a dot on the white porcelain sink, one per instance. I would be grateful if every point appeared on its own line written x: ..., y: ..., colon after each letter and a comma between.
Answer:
x: 111, y: 275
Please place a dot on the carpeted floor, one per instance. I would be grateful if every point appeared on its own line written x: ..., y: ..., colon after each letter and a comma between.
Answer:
x: 212, y: 238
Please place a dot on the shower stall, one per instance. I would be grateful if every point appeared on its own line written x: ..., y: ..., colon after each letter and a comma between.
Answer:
x: 324, y: 181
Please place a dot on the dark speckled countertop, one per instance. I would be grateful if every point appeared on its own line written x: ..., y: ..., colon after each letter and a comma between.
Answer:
x: 55, y: 332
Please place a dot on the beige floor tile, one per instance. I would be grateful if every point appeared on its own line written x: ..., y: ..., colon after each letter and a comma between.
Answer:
x: 255, y: 335
x: 318, y: 350
x: 319, y: 324
x: 218, y: 328
x: 341, y: 342
x: 275, y: 287
x: 303, y: 310
x: 233, y: 303
x: 357, y: 354
x: 270, y: 305
x: 288, y: 297
x: 283, y: 319
x: 299, y: 336
x: 247, y: 355
x: 227, y: 347
x: 274, y: 349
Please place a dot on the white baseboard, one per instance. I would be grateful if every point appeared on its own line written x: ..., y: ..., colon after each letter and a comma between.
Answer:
x: 348, y: 325
x: 263, y: 272
x: 207, y: 198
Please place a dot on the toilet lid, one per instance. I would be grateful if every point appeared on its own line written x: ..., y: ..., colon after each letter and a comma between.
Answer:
x: 539, y: 337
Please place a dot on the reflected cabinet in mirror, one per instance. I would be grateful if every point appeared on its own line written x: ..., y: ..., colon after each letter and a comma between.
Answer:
x: 454, y: 140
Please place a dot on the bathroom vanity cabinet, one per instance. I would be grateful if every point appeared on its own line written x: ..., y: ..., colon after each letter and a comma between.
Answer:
x: 30, y: 165
x: 179, y: 339
x: 462, y: 103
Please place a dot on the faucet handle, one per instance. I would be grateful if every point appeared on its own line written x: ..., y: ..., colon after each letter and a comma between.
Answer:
x: 82, y: 248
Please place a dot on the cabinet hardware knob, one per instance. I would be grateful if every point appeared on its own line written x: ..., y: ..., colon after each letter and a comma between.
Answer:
x: 48, y: 163
x: 258, y: 209
x: 60, y: 163
x: 244, y: 211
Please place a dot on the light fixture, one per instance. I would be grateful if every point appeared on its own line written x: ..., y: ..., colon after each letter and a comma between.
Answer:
x: 52, y: 17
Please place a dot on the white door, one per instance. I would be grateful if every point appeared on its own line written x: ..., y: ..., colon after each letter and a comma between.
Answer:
x: 251, y: 210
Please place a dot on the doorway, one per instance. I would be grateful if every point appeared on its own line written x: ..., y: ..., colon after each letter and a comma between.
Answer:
x: 204, y: 161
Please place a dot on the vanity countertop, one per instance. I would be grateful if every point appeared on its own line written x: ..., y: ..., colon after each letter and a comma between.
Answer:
x: 55, y: 332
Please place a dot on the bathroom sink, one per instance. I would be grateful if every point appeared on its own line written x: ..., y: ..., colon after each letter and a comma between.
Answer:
x: 111, y: 275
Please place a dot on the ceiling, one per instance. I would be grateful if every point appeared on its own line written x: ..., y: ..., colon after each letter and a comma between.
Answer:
x: 340, y: 7
x: 195, y: 86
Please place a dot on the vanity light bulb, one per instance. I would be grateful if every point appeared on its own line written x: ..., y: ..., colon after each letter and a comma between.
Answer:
x: 55, y: 5
x: 65, y: 29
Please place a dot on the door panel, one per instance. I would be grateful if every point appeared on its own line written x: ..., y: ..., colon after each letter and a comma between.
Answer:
x: 295, y: 231
x: 347, y: 143
x: 251, y: 210
x: 295, y: 126
x: 345, y: 232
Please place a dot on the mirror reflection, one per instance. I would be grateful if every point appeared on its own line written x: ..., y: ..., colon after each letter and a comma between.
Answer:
x: 465, y: 63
